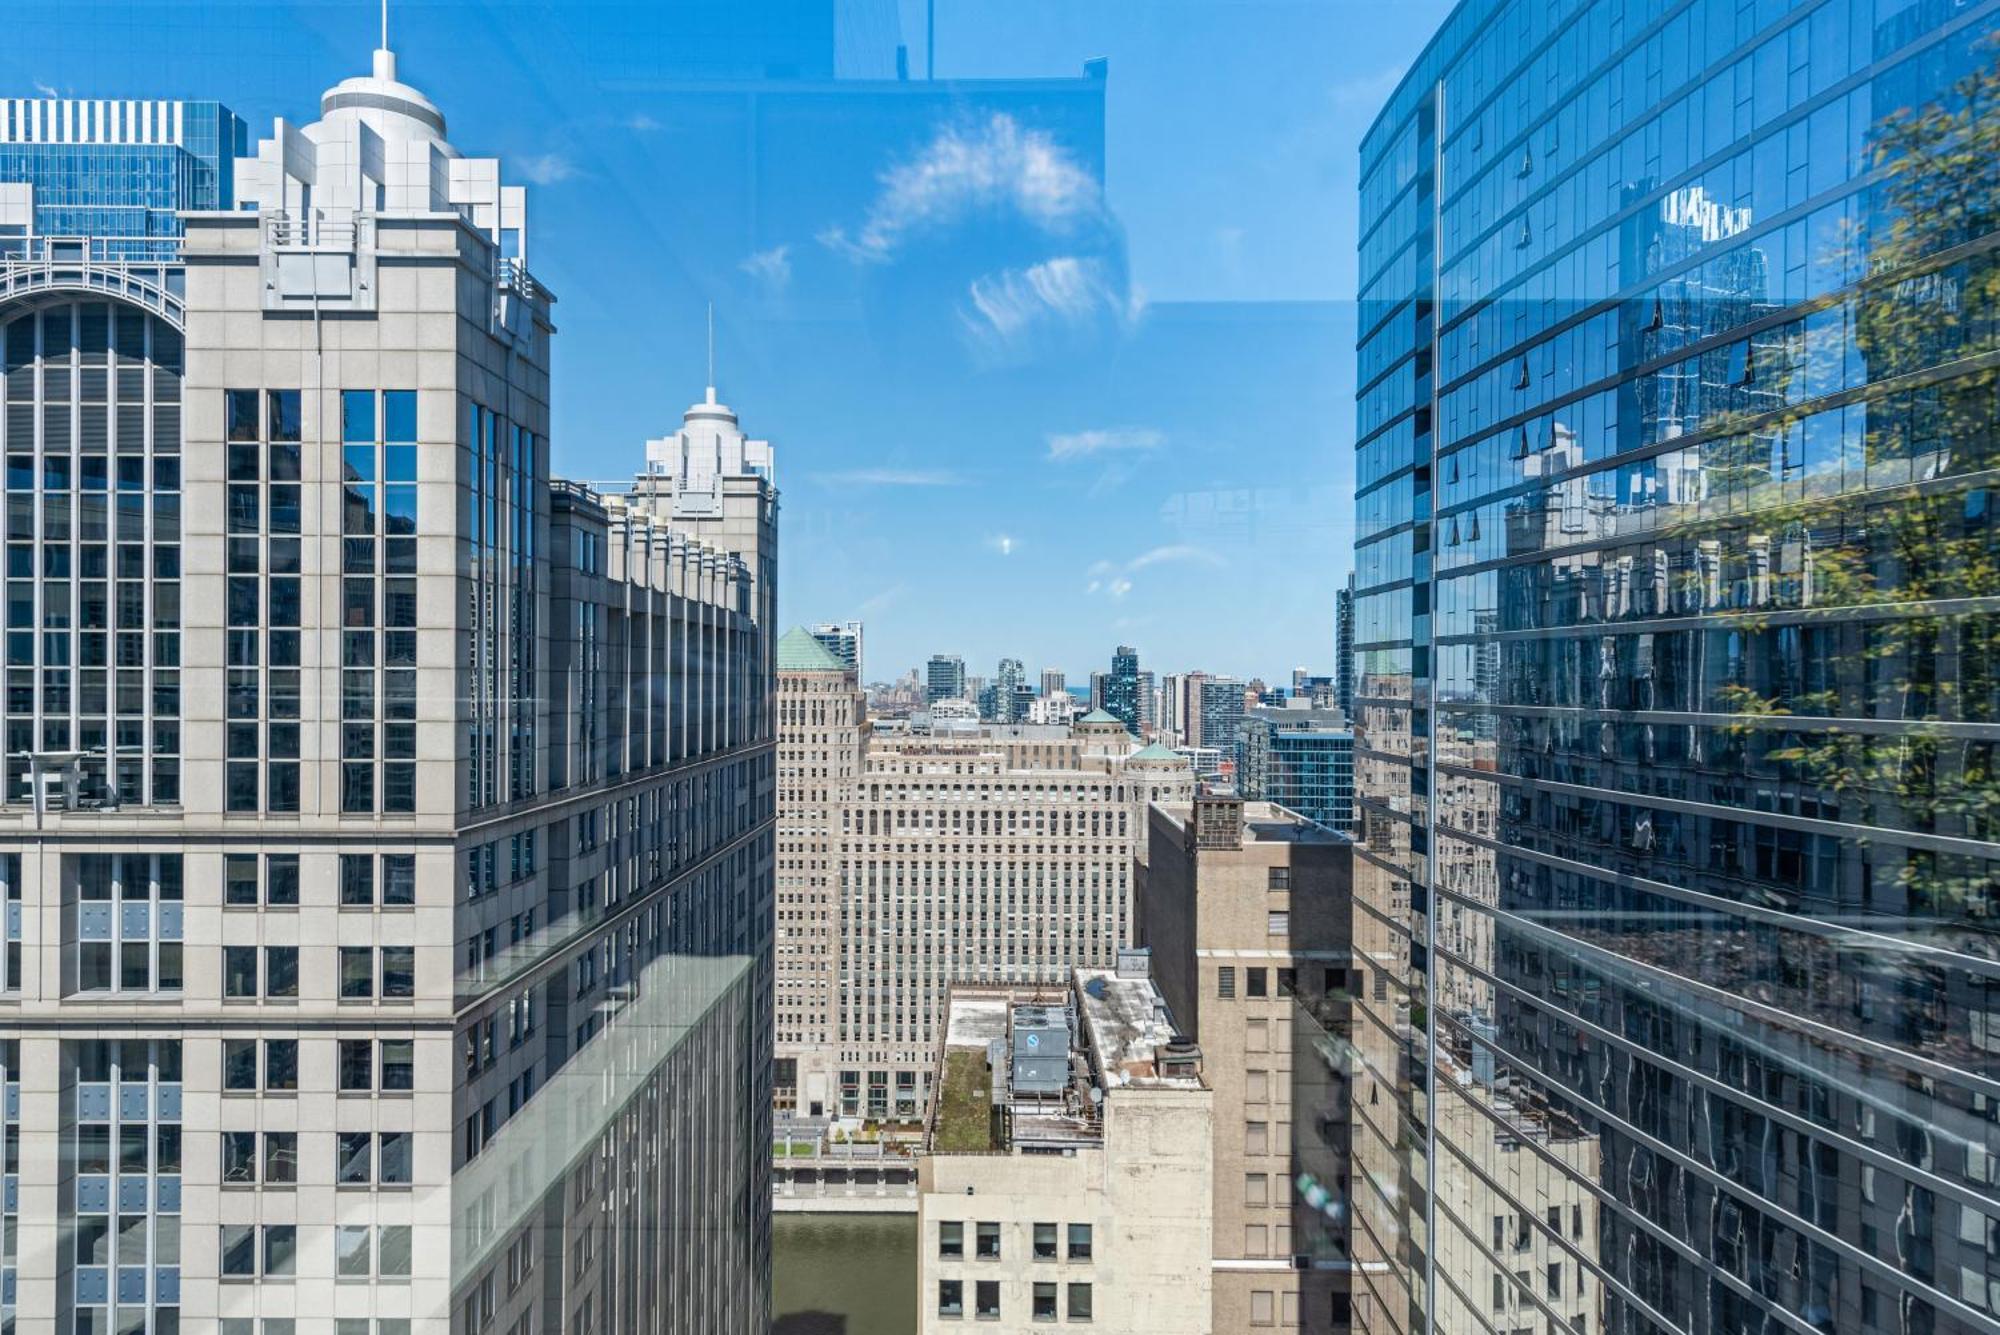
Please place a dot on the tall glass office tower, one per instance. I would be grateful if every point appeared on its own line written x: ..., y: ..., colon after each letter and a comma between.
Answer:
x: 1677, y: 708
x: 114, y: 171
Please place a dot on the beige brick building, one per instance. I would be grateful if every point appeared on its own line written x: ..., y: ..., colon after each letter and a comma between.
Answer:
x: 1245, y: 909
x: 1004, y: 855
x: 1066, y: 1178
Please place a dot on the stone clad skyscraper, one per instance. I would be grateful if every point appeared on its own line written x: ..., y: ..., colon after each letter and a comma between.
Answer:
x: 391, y: 843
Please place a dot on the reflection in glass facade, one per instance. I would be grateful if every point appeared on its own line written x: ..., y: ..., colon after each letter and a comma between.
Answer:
x: 115, y: 170
x: 1676, y: 711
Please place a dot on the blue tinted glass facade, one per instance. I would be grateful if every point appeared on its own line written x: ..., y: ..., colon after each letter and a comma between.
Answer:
x: 1675, y: 712
x: 1303, y: 767
x: 129, y: 193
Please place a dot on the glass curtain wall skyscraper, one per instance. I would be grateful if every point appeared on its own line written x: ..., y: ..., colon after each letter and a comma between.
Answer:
x: 116, y: 171
x: 1121, y: 688
x: 1675, y: 711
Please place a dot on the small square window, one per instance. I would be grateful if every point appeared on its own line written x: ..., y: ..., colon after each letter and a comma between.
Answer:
x: 281, y: 1065
x: 354, y: 1158
x: 1079, y: 1302
x: 281, y: 1157
x: 357, y: 973
x: 239, y: 1064
x: 951, y: 1239
x: 1044, y: 1302
x: 357, y: 879
x: 281, y: 971
x: 399, y: 972
x: 357, y: 1065
x: 239, y: 879
x: 239, y: 1158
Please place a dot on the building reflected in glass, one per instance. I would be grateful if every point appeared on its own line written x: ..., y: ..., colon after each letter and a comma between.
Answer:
x: 1675, y: 707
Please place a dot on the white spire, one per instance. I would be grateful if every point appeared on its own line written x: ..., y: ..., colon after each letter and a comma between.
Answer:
x: 711, y: 348
x: 385, y: 59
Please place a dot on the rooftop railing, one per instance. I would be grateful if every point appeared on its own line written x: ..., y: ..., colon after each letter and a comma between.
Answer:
x: 309, y: 231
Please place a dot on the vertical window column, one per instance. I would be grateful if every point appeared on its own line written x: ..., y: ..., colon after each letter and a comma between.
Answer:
x: 126, y: 1142
x: 263, y: 600
x: 379, y: 601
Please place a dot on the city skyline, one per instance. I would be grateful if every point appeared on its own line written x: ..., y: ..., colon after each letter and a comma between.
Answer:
x: 1096, y: 472
x: 1499, y: 832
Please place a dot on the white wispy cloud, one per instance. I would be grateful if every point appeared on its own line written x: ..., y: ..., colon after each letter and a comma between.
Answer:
x: 641, y: 122
x: 1174, y: 552
x: 46, y: 90
x: 771, y: 267
x: 883, y: 601
x: 1068, y: 292
x: 1114, y: 579
x: 1080, y: 444
x: 1367, y: 92
x: 1003, y: 543
x: 889, y: 477
x: 544, y: 168
x: 971, y: 168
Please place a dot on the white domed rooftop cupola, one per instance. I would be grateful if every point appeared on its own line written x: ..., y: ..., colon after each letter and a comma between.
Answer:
x: 389, y: 107
x: 376, y: 156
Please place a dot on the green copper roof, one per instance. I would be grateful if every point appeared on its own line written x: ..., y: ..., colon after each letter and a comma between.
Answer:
x: 800, y: 652
x: 1099, y: 716
x: 1154, y: 751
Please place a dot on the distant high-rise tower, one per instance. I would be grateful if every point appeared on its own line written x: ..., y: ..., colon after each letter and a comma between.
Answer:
x: 945, y: 679
x: 1222, y: 704
x: 821, y: 719
x: 1053, y: 681
x: 842, y: 639
x: 1343, y: 668
x: 1121, y: 688
x: 1007, y: 683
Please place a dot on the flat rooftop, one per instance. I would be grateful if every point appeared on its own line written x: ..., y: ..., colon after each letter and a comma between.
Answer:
x: 1121, y: 1026
x: 1264, y: 823
x: 1126, y: 1023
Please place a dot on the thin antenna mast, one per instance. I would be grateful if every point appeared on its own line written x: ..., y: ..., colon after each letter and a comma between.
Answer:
x: 711, y: 350
x: 385, y: 25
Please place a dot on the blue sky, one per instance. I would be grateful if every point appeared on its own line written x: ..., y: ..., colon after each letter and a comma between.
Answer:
x: 1050, y: 362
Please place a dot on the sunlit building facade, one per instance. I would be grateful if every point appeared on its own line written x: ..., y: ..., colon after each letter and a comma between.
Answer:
x: 1674, y: 866
x: 387, y: 826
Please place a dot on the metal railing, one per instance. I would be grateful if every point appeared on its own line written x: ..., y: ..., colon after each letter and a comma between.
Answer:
x: 511, y: 275
x: 141, y: 270
x: 309, y: 231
